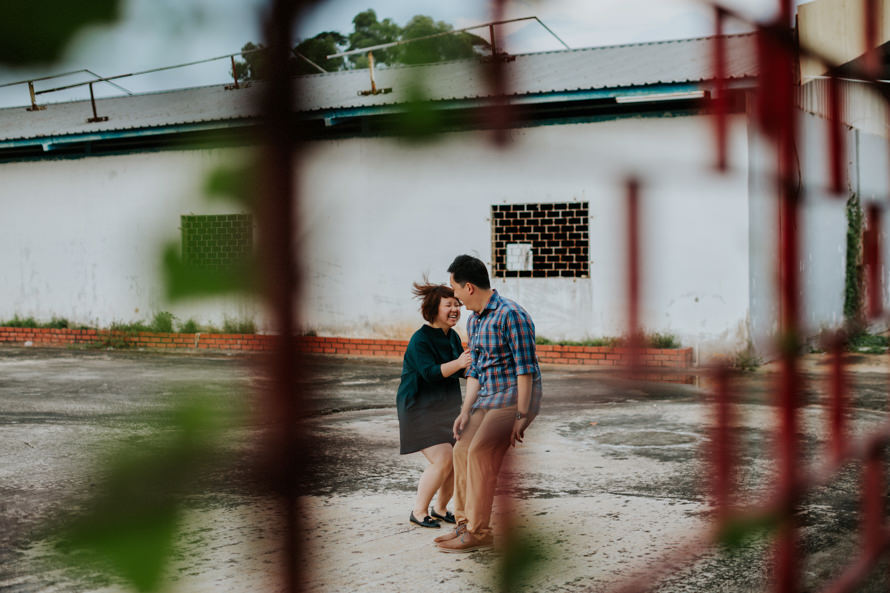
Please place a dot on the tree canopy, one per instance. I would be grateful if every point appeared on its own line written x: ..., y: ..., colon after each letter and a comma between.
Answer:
x: 368, y: 31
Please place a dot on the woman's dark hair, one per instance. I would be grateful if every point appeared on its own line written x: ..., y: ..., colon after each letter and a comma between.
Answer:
x: 467, y: 268
x: 431, y: 295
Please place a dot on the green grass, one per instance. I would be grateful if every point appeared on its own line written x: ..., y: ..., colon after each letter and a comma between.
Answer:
x: 866, y: 343
x: 162, y: 322
x: 656, y: 340
x: 239, y: 326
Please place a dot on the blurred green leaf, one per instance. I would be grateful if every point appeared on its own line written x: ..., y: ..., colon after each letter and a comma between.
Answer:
x: 739, y: 531
x: 183, y: 280
x: 130, y: 526
x: 420, y: 121
x: 235, y: 183
x: 38, y: 31
x: 523, y: 555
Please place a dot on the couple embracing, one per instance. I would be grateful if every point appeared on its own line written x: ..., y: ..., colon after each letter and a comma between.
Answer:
x: 465, y: 443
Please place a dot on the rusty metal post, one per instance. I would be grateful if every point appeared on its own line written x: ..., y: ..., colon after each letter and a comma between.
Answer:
x: 96, y: 117
x: 371, y: 72
x: 721, y: 99
x: 234, y: 73
x: 34, y: 106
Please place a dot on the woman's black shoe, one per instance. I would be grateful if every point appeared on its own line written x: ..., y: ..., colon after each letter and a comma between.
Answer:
x: 427, y: 521
x: 448, y: 517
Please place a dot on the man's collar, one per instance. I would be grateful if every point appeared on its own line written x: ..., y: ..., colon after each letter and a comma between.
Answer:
x: 493, y: 302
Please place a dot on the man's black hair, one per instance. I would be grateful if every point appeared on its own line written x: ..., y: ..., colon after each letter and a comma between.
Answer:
x: 467, y: 268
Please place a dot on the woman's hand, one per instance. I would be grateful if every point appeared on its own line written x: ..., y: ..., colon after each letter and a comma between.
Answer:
x: 459, y: 424
x: 465, y: 360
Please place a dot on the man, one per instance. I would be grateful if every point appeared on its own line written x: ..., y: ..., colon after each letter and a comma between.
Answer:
x: 503, y: 397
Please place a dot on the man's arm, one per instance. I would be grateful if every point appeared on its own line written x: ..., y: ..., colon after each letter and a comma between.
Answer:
x: 523, y: 402
x: 464, y: 417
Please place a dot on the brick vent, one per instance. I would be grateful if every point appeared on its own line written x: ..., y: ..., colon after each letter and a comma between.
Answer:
x: 549, y: 354
x: 558, y: 233
x: 216, y: 241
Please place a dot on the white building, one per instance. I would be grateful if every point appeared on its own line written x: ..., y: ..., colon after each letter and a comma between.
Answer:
x: 88, y: 206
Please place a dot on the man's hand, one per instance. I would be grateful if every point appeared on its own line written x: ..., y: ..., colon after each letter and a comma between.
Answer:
x: 518, y: 433
x: 459, y: 424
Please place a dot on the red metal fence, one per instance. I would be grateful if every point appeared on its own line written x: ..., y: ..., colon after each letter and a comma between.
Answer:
x: 776, y: 109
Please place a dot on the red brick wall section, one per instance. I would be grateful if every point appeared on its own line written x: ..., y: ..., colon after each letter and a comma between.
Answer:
x: 567, y: 355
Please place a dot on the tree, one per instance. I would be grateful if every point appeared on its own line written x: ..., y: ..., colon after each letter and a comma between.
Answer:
x: 447, y: 47
x: 368, y: 31
x: 317, y: 49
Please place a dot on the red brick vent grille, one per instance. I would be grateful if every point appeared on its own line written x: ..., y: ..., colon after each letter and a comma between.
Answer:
x: 540, y: 240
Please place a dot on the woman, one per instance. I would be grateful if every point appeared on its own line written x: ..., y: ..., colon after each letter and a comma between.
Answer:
x: 429, y: 399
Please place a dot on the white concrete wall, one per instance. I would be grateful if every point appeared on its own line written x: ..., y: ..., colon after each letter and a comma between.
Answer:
x: 823, y: 227
x: 378, y: 214
x: 82, y: 238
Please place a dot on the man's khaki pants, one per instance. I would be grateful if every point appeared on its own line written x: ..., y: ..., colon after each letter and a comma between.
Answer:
x: 477, y: 460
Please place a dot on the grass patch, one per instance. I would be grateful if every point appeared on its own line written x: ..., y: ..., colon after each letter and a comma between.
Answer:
x: 865, y: 343
x: 163, y: 322
x: 745, y: 360
x: 239, y: 326
x: 656, y: 340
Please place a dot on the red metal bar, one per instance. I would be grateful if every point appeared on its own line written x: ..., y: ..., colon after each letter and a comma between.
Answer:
x: 781, y: 107
x: 872, y: 16
x: 872, y: 259
x: 873, y: 530
x: 836, y: 142
x: 721, y: 99
x: 838, y: 404
x: 284, y: 453
x: 234, y: 73
x: 633, y: 270
x: 723, y: 455
x: 500, y: 115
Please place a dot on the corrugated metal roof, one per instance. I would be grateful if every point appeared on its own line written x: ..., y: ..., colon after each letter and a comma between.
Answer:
x: 614, y: 67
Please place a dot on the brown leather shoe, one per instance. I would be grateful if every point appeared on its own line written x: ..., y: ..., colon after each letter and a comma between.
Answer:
x: 466, y: 542
x: 460, y: 529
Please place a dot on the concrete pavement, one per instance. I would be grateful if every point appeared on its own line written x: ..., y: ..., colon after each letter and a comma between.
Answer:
x: 608, y: 481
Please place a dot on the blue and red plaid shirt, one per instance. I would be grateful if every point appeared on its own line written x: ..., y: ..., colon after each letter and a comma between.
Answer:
x: 502, y: 342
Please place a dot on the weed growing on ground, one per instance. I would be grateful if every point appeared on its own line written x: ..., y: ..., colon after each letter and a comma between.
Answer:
x: 163, y: 322
x: 236, y: 326
x: 866, y: 343
x: 746, y: 360
x: 656, y: 340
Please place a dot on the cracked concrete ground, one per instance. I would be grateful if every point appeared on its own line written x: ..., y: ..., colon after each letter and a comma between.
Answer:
x: 608, y: 481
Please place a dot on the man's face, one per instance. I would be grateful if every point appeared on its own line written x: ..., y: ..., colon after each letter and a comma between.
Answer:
x: 463, y: 293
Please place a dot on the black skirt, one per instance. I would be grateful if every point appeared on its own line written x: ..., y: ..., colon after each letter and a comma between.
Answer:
x: 422, y: 426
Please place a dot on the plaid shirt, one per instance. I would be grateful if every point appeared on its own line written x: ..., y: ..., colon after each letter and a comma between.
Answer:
x: 502, y: 342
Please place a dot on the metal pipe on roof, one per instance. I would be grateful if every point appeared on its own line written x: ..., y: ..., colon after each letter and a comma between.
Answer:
x: 150, y: 71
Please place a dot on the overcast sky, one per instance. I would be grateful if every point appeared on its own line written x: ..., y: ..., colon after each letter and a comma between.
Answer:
x: 155, y: 33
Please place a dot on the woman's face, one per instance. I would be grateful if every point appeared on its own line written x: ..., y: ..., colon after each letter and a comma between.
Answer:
x: 449, y: 312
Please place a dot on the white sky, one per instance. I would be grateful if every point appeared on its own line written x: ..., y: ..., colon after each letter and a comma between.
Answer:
x: 155, y: 33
